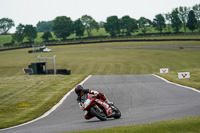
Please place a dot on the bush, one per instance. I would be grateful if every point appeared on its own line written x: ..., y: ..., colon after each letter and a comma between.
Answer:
x: 8, y: 44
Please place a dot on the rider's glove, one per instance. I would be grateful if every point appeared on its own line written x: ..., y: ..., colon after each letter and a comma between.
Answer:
x: 94, y: 92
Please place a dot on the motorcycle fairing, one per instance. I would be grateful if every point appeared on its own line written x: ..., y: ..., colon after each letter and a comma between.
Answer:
x: 105, y: 105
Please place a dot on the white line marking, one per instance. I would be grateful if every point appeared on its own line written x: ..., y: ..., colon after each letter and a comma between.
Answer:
x: 50, y: 111
x: 187, y: 87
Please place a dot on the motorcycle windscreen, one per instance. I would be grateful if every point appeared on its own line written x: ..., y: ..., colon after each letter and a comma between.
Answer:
x: 84, y: 98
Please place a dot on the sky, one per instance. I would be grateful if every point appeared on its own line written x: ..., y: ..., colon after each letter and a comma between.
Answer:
x: 33, y: 11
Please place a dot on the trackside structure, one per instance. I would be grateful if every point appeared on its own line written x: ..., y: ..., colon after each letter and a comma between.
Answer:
x: 45, y: 59
x: 43, y: 66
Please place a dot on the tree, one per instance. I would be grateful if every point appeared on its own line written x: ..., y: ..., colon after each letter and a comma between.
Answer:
x: 62, y: 27
x: 198, y: 25
x: 30, y: 32
x: 128, y: 25
x: 79, y: 28
x: 159, y: 22
x: 5, y: 25
x: 101, y: 24
x: 19, y: 35
x: 44, y: 26
x: 89, y: 24
x: 46, y: 36
x: 144, y: 24
x: 112, y: 25
x: 168, y: 19
x: 176, y: 22
x: 192, y: 21
x: 183, y: 13
x: 196, y: 9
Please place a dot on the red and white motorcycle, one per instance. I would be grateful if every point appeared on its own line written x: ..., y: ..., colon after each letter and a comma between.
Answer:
x: 99, y: 108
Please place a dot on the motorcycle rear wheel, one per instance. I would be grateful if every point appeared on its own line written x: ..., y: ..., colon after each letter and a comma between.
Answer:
x: 96, y: 112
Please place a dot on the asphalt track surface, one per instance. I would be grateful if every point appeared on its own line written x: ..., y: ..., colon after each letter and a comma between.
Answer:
x: 140, y: 98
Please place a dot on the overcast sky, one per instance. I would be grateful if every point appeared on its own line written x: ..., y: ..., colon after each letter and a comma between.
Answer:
x: 32, y: 11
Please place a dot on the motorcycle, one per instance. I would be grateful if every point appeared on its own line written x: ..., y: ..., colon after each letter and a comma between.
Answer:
x: 99, y: 108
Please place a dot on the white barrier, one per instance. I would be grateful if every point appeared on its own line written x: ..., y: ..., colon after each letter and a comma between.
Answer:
x: 183, y: 75
x: 164, y: 70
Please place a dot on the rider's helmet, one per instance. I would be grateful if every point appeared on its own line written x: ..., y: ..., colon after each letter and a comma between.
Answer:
x: 79, y: 89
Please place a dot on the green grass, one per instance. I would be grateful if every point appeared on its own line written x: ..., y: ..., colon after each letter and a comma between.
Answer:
x: 110, y: 58
x: 18, y: 91
x: 24, y: 97
x: 5, y: 39
x: 186, y: 125
x: 100, y: 32
x: 192, y: 82
x: 152, y: 30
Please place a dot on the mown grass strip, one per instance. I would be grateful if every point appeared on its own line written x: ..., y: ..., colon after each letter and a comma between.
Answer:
x: 185, y: 125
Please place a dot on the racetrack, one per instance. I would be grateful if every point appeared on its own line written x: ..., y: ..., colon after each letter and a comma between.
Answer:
x: 140, y: 98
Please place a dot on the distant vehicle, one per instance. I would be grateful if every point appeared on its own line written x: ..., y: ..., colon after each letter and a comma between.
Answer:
x: 42, y: 49
x: 46, y: 50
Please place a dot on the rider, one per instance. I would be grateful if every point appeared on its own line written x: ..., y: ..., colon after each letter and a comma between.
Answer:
x: 80, y: 91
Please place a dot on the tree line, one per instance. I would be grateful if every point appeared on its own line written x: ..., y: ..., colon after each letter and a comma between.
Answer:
x: 63, y: 26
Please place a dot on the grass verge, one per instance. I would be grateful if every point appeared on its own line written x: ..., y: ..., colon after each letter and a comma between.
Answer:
x: 193, y: 81
x: 185, y: 125
x: 23, y: 98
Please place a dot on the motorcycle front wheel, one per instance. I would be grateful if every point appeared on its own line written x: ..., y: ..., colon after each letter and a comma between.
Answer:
x: 98, y: 113
x: 117, y: 112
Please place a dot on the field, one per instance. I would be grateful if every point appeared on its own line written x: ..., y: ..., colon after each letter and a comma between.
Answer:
x: 18, y: 91
x: 101, y: 32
